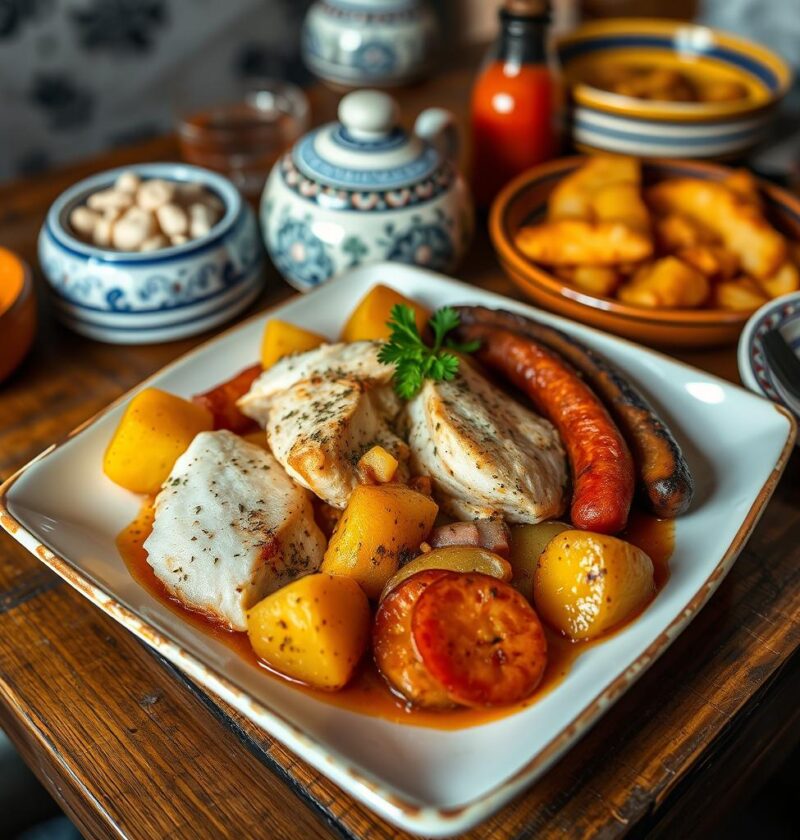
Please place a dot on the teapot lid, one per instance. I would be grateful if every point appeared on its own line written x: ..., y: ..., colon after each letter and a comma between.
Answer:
x: 367, y: 149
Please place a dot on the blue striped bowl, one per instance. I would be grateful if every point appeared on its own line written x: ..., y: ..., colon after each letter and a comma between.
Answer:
x: 604, y: 121
x: 130, y: 298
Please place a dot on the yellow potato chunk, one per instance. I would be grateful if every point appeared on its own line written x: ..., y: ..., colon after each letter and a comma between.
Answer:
x: 675, y: 231
x: 154, y: 431
x: 314, y: 630
x: 586, y: 584
x: 381, y: 528
x: 738, y: 223
x: 786, y: 279
x: 600, y: 280
x: 377, y: 466
x: 453, y: 558
x: 572, y: 197
x: 714, y: 262
x: 369, y: 318
x: 622, y: 202
x: 527, y: 544
x: 667, y: 283
x: 281, y: 339
x: 742, y: 295
x: 574, y: 241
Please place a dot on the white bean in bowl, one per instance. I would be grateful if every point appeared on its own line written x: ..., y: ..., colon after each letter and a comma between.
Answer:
x: 138, y: 214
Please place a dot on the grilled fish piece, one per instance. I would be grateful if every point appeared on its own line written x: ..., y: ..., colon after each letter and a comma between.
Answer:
x: 230, y: 528
x: 322, y: 410
x: 487, y: 454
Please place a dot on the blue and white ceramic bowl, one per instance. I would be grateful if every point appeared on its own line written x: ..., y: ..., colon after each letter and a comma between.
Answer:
x: 604, y: 121
x: 172, y: 293
x: 362, y: 190
x: 783, y: 314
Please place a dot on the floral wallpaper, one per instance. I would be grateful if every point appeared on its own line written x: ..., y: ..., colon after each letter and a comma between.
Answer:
x: 77, y: 76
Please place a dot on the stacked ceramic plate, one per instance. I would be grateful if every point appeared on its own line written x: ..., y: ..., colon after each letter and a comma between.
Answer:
x: 783, y: 315
x: 163, y: 295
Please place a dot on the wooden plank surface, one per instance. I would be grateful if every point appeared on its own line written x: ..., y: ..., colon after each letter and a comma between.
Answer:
x: 131, y: 748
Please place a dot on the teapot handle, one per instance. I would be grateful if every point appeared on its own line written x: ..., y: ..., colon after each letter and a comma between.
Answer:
x: 439, y: 128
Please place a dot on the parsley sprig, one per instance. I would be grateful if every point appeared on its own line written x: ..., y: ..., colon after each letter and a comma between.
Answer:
x: 413, y: 360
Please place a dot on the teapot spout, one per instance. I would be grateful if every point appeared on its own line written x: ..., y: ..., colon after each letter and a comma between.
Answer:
x: 438, y: 127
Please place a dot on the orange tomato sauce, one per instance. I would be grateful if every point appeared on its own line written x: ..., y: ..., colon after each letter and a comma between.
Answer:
x: 367, y: 692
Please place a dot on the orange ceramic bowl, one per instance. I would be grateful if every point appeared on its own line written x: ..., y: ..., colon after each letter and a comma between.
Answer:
x: 17, y: 311
x: 524, y: 201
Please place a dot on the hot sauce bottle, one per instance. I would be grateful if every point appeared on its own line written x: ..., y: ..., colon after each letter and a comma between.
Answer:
x: 513, y: 101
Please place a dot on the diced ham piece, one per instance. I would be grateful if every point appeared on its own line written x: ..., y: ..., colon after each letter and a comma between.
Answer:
x: 491, y: 534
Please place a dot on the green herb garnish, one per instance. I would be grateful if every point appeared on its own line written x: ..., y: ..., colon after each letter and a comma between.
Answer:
x: 413, y: 360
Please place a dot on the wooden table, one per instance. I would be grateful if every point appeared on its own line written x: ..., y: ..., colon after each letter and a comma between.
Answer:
x: 131, y: 748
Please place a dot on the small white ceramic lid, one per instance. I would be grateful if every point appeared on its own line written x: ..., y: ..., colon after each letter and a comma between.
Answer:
x: 367, y: 149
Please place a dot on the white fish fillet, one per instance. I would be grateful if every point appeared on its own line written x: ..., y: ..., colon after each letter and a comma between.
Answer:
x: 230, y: 528
x: 323, y: 410
x: 486, y: 454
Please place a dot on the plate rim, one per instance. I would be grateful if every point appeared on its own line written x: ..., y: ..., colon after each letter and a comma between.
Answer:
x: 375, y: 794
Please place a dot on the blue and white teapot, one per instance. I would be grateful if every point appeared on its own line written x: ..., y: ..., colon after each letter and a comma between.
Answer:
x: 363, y: 190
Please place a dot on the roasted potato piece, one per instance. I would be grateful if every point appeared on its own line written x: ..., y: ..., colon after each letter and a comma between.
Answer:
x: 154, y: 431
x: 368, y: 321
x: 377, y: 466
x: 314, y: 630
x: 786, y: 279
x: 572, y: 197
x: 722, y: 90
x: 674, y: 232
x: 713, y: 261
x: 742, y: 295
x: 622, y: 202
x: 745, y: 185
x: 381, y: 527
x: 453, y: 558
x: 599, y: 280
x: 742, y: 229
x: 667, y: 283
x: 527, y: 544
x: 281, y: 339
x: 572, y: 242
x: 586, y: 584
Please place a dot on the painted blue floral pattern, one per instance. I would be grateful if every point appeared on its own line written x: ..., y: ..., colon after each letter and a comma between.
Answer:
x: 427, y: 245
x: 301, y: 255
x: 375, y: 58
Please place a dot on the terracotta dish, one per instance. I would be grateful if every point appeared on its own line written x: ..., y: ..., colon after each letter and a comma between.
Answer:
x: 17, y: 311
x: 524, y: 200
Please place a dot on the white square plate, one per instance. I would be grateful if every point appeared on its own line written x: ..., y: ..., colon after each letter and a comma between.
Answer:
x: 428, y: 781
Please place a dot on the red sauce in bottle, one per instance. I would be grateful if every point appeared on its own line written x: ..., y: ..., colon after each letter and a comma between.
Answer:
x: 513, y: 101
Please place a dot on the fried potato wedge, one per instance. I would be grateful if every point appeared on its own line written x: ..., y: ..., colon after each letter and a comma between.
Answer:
x: 674, y: 232
x: 599, y: 280
x: 745, y: 185
x: 786, y: 279
x: 572, y: 197
x: 743, y: 230
x: 667, y: 283
x: 622, y: 202
x: 741, y: 295
x: 574, y: 241
x: 715, y: 262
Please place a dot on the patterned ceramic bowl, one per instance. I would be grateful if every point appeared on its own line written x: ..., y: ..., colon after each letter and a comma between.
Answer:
x: 172, y: 293
x: 782, y: 314
x: 524, y: 201
x: 602, y: 120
